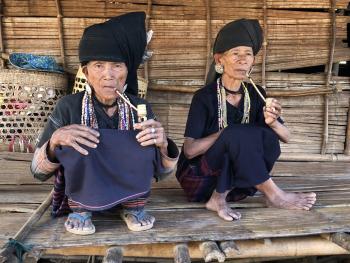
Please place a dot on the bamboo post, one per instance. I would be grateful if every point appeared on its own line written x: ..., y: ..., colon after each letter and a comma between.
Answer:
x: 60, y: 32
x: 230, y: 248
x: 208, y: 26
x: 264, y: 54
x: 25, y: 229
x: 113, y: 255
x: 329, y: 76
x: 181, y: 254
x: 270, y: 93
x: 148, y: 17
x: 211, y: 251
x: 341, y: 239
x: 2, y: 61
x: 347, y: 138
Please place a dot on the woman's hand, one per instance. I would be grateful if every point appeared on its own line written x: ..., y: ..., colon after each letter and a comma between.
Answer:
x: 151, y: 132
x: 272, y: 111
x: 74, y: 135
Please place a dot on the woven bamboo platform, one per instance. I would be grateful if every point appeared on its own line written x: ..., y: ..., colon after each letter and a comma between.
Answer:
x: 261, y: 232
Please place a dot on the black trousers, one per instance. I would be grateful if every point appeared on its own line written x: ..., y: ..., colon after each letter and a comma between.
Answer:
x: 245, y: 155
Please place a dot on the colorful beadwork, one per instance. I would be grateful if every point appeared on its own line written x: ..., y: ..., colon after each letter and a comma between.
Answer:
x: 222, y: 110
x: 88, y: 116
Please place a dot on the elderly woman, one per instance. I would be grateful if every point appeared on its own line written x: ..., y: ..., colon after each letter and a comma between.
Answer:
x: 232, y: 137
x: 93, y: 143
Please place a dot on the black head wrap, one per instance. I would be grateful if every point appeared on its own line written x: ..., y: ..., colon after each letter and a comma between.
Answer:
x: 120, y: 39
x: 242, y: 32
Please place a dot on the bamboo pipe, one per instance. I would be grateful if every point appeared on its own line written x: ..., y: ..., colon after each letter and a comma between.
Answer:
x: 127, y: 102
x: 25, y: 229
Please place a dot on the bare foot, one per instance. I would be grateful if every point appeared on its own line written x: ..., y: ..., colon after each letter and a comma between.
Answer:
x: 276, y: 197
x: 297, y: 201
x: 217, y: 203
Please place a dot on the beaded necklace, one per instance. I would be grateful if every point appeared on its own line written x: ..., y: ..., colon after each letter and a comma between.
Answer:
x: 88, y: 116
x: 222, y: 109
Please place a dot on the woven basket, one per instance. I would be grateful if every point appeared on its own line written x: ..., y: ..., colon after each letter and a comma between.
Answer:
x: 26, y: 100
x: 80, y: 81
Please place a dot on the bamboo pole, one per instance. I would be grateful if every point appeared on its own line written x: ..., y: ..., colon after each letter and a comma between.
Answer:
x: 211, y: 251
x: 113, y: 255
x: 181, y: 254
x: 264, y: 54
x: 60, y: 32
x: 308, y: 157
x: 208, y: 27
x: 347, y: 138
x: 279, y: 247
x: 2, y: 61
x: 271, y: 93
x: 342, y: 240
x: 148, y: 17
x: 329, y: 76
x: 25, y: 229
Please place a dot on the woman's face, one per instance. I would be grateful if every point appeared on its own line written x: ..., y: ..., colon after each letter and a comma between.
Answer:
x: 106, y: 78
x: 236, y: 62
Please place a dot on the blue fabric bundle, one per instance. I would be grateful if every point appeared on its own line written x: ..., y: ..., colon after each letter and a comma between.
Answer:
x: 119, y: 169
x: 34, y: 62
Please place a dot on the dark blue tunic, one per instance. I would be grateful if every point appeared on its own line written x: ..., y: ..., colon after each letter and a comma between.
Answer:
x: 241, y: 157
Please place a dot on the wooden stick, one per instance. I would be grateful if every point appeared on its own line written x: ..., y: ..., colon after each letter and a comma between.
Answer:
x: 307, y: 157
x: 229, y: 248
x: 264, y: 54
x: 329, y: 76
x: 341, y: 239
x: 148, y: 17
x: 325, y: 125
x: 127, y: 102
x: 113, y: 255
x: 25, y: 229
x: 347, y: 138
x: 211, y: 251
x: 2, y: 62
x: 60, y: 32
x: 208, y: 26
x: 181, y: 254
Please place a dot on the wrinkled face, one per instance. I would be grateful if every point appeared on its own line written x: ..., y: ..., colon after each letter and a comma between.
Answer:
x: 106, y: 78
x: 237, y: 61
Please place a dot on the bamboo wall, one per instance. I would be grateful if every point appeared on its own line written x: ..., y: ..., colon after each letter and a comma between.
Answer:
x: 298, y: 34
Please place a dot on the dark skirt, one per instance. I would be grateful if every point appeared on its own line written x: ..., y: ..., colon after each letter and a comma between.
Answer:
x: 118, y: 170
x: 240, y: 159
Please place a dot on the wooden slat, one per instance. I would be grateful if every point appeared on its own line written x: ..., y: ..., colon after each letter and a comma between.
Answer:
x: 178, y: 226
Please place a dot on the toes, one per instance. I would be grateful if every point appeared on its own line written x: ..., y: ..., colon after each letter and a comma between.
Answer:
x: 148, y: 220
x: 224, y: 214
x: 235, y: 215
x: 88, y: 224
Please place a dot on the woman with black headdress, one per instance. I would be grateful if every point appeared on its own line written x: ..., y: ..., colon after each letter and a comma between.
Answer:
x: 232, y: 137
x: 100, y: 154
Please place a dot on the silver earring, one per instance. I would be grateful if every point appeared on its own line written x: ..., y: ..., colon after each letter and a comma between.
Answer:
x: 219, y: 68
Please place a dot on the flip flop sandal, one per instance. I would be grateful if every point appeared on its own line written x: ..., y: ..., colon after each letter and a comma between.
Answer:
x: 82, y: 217
x: 139, y: 214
